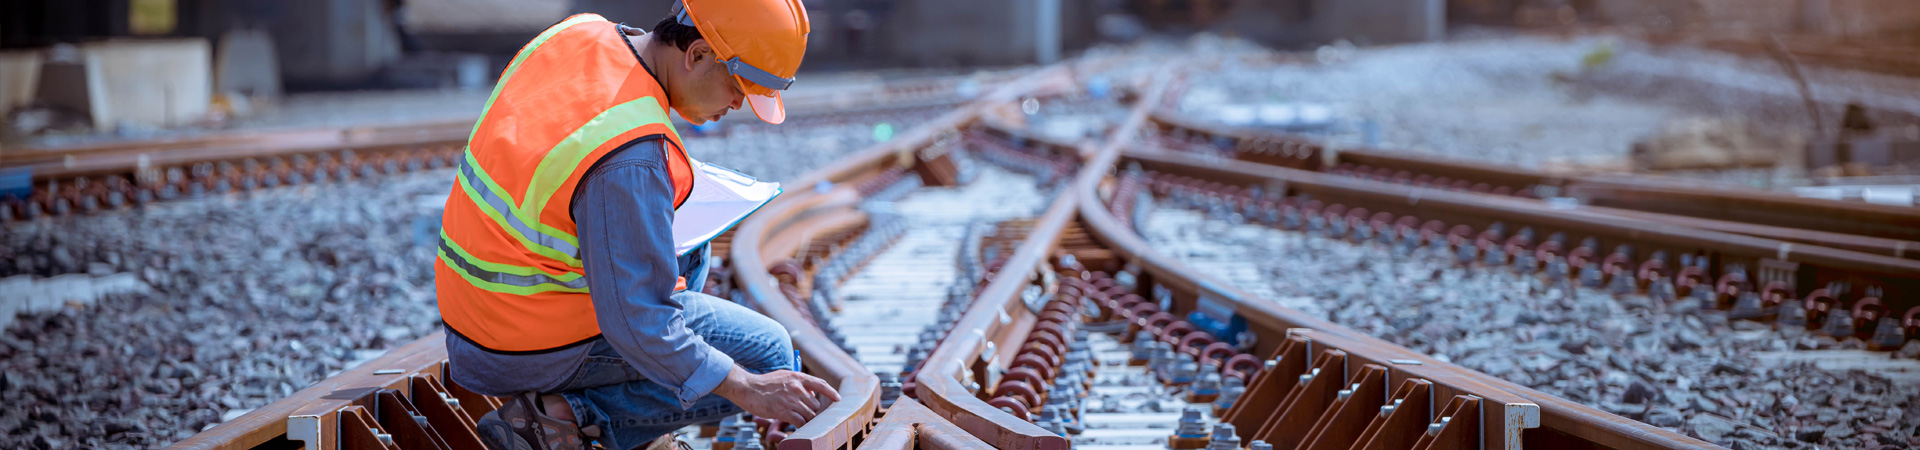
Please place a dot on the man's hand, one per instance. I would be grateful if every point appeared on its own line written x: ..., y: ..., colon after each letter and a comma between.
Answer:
x: 782, y: 394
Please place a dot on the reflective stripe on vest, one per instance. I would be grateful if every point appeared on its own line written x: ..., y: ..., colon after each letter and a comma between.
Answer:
x: 509, y: 275
x: 505, y: 278
x: 554, y: 171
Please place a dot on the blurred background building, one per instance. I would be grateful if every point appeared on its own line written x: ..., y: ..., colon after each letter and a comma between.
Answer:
x: 136, y: 66
x: 259, y: 46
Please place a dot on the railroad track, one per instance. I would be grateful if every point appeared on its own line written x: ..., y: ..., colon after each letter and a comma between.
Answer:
x: 119, y: 175
x: 403, y: 400
x: 1304, y: 383
x: 1832, y: 267
x: 1865, y: 227
x: 1045, y: 321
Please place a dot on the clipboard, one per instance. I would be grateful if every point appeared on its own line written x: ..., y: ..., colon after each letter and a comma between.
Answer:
x: 720, y: 199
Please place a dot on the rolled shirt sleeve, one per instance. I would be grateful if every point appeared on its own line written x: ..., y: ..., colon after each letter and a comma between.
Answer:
x: 624, y: 211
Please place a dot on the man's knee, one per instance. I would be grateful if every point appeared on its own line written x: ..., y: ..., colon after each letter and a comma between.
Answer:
x: 767, y: 346
x: 755, y: 341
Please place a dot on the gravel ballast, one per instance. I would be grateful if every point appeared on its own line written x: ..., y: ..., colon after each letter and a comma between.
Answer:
x: 1674, y: 365
x: 242, y: 299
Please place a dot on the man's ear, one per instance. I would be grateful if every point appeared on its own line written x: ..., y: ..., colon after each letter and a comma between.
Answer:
x: 698, y: 52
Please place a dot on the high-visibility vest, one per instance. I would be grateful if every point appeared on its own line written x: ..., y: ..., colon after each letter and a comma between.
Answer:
x: 509, y: 275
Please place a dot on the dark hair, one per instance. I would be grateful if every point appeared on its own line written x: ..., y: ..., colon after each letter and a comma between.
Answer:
x: 670, y: 31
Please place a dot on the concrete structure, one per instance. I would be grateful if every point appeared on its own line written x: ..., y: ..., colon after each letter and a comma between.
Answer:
x: 19, y: 78
x: 151, y: 83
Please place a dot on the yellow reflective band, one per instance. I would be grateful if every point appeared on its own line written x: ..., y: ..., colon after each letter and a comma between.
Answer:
x: 492, y: 200
x: 560, y: 163
x: 504, y: 278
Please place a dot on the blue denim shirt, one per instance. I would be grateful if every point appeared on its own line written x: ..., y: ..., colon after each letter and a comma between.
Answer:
x: 624, y: 211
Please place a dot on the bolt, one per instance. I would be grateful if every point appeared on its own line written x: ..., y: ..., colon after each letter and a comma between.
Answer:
x: 726, y: 431
x: 1888, y: 334
x: 1386, y: 410
x: 1747, y: 306
x: 1051, y: 413
x: 1224, y: 438
x: 1162, y: 363
x: 1839, y: 323
x: 1192, y: 424
x: 1059, y: 397
x: 747, y: 439
x: 1623, y: 284
x: 1142, y: 346
x: 890, y: 388
x: 1231, y: 391
x: 915, y: 355
x: 1077, y: 357
x: 1184, y: 370
x: 1207, y: 384
x: 1433, y: 429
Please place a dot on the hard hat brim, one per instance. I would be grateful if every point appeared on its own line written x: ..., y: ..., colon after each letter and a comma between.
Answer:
x: 768, y: 107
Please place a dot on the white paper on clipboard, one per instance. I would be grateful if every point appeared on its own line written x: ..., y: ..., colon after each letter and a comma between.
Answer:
x: 721, y: 198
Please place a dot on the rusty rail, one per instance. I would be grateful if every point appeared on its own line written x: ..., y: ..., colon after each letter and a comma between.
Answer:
x: 1561, y: 423
x: 111, y: 175
x: 403, y: 400
x: 337, y: 411
x: 982, y: 338
x: 988, y: 338
x: 1753, y: 274
x: 909, y: 426
x: 1865, y: 227
x: 842, y: 422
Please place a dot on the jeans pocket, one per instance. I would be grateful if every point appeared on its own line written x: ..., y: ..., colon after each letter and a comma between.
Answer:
x: 602, y: 371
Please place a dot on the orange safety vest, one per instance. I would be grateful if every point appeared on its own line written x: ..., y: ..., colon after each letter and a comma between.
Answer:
x: 509, y: 275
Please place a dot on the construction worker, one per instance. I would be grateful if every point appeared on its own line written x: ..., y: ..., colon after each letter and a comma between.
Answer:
x: 557, y: 275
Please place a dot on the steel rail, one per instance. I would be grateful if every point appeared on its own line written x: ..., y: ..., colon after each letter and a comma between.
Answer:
x: 1557, y: 417
x: 347, y: 411
x: 1872, y: 228
x: 96, y: 176
x: 909, y: 426
x: 1806, y: 269
x: 997, y: 316
x: 842, y: 422
x: 311, y: 417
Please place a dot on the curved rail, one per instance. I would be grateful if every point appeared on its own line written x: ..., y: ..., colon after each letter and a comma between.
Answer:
x: 1865, y: 227
x: 1562, y: 423
x: 754, y: 240
x: 403, y: 399
x: 974, y: 361
x: 1751, y: 275
x: 997, y: 317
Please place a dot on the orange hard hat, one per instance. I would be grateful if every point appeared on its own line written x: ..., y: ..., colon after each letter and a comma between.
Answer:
x: 760, y: 41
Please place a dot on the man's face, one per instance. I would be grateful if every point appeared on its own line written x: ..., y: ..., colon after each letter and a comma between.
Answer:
x: 709, y: 91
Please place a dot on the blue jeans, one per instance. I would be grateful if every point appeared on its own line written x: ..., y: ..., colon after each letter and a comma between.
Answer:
x: 631, y: 411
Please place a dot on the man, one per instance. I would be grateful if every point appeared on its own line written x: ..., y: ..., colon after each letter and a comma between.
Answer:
x: 557, y: 276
